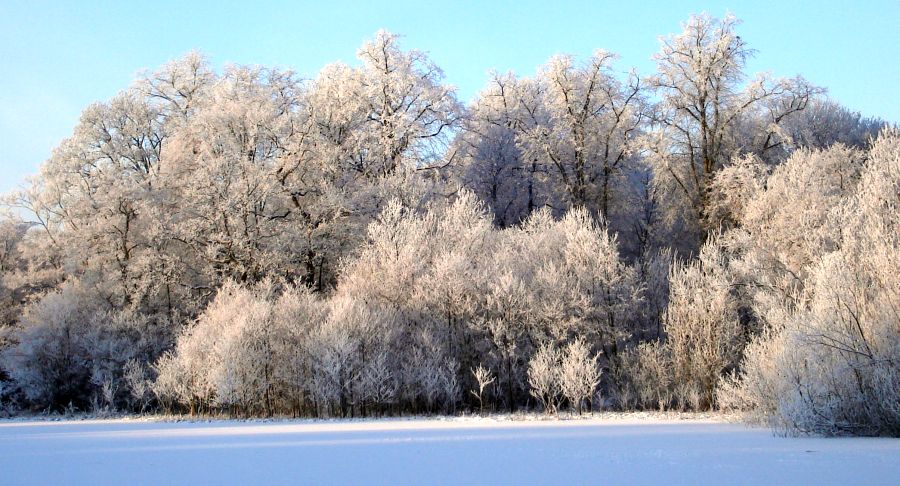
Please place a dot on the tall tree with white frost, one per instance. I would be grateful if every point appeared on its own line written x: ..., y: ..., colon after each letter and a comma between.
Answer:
x: 582, y: 125
x: 704, y: 100
x: 563, y: 139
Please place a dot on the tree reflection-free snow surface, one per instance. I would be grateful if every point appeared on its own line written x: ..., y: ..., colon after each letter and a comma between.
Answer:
x: 434, y: 451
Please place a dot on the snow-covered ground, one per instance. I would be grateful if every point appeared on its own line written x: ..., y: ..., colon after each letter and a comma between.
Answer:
x: 606, y: 450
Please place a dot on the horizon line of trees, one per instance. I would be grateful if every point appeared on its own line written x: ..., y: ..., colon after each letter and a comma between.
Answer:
x: 361, y: 243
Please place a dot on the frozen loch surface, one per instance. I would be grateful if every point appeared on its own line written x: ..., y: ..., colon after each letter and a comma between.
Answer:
x: 431, y: 451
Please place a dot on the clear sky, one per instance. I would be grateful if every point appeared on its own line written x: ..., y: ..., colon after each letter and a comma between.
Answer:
x: 58, y: 57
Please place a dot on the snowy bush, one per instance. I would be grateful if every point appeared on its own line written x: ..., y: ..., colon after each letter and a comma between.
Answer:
x: 138, y: 383
x: 702, y: 326
x: 70, y: 351
x: 579, y: 374
x: 646, y: 377
x: 242, y: 353
x: 571, y: 373
x: 543, y: 377
x: 332, y: 351
x: 829, y: 363
x: 409, y: 315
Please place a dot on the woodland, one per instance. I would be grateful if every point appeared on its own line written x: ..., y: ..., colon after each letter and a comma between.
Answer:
x: 362, y: 243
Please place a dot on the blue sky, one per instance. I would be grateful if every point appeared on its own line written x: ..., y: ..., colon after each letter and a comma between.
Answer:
x: 57, y: 57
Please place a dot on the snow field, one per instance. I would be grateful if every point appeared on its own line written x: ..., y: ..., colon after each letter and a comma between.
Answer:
x: 632, y: 450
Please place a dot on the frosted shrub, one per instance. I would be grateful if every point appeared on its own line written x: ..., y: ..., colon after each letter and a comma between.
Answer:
x: 702, y: 326
x: 483, y: 378
x: 377, y: 382
x: 243, y: 353
x: 138, y: 384
x: 647, y: 379
x: 245, y: 375
x: 543, y: 377
x: 72, y: 350
x: 832, y: 367
x: 829, y: 364
x: 456, y: 293
x: 171, y: 385
x: 757, y: 389
x: 732, y: 187
x: 332, y: 352
x: 571, y: 373
x: 578, y: 374
x: 50, y: 364
x: 350, y: 363
x: 3, y: 388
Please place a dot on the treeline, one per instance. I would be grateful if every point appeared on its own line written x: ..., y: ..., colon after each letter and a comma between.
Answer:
x: 361, y: 243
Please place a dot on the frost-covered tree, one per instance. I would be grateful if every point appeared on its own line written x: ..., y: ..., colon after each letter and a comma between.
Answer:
x: 409, y: 112
x: 562, y: 139
x: 95, y: 194
x: 705, y: 102
x: 190, y: 179
x: 581, y: 124
x: 243, y: 241
x: 825, y: 122
x: 490, y: 160
x: 224, y: 167
x: 179, y: 84
x: 368, y: 135
x: 12, y: 265
x: 483, y: 378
